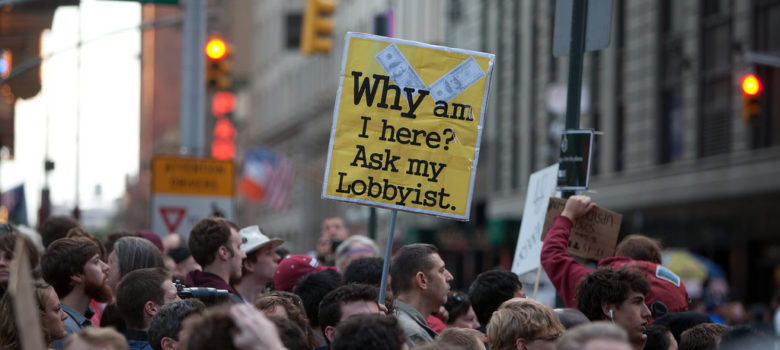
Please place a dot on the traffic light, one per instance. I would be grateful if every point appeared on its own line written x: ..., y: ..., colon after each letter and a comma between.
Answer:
x: 223, y: 140
x: 751, y: 107
x: 217, y: 64
x: 317, y: 26
x: 223, y: 144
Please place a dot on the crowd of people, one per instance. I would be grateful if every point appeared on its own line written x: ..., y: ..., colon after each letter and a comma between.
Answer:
x: 229, y: 287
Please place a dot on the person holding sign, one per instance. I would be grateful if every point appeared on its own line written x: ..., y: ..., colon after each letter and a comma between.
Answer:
x: 667, y: 291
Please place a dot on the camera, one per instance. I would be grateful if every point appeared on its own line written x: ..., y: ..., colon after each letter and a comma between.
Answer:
x: 208, y: 296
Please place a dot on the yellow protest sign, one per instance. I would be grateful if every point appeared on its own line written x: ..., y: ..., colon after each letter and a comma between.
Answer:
x: 407, y: 125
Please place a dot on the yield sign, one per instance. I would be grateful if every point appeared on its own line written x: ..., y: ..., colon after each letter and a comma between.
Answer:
x: 172, y: 217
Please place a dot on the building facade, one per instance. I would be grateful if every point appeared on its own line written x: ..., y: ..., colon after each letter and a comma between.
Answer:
x: 674, y: 155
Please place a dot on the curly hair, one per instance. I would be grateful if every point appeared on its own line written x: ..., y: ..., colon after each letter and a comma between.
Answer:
x: 702, y: 336
x: 608, y: 285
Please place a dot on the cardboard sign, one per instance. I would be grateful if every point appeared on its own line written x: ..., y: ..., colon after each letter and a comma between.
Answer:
x: 593, y: 236
x: 407, y: 126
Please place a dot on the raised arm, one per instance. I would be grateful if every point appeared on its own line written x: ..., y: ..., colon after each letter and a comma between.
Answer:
x: 564, y: 271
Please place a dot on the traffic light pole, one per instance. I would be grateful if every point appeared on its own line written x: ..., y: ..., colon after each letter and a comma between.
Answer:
x: 576, y: 55
x: 192, y: 127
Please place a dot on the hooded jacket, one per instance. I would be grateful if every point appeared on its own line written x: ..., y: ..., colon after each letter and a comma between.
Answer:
x: 565, y: 272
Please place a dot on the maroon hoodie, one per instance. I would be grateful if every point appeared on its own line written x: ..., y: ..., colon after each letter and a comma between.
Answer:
x: 198, y: 278
x: 565, y: 272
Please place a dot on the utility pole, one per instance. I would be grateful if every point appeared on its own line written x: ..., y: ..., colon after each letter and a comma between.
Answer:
x: 193, y: 90
x: 76, y: 211
x: 576, y: 55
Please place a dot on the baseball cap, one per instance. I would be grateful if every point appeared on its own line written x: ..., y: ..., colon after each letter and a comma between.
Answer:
x: 252, y: 239
x: 293, y: 268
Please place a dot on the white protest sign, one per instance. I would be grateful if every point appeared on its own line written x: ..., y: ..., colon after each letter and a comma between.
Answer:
x: 541, y: 186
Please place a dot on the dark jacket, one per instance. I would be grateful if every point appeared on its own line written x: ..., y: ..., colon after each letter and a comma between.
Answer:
x: 203, y: 279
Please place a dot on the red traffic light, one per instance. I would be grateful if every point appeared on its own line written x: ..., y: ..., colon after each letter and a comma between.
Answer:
x: 751, y: 85
x: 223, y: 144
x: 222, y: 103
x: 216, y: 49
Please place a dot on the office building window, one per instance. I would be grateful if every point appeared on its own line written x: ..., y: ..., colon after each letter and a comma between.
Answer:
x: 766, y: 32
x: 293, y: 23
x: 672, y: 62
x: 620, y: 41
x: 715, y: 91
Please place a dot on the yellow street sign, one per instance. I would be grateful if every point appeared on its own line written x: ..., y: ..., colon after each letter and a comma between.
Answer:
x: 192, y: 176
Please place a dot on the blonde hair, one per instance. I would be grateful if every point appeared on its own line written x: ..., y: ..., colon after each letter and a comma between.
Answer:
x: 578, y: 336
x: 521, y: 318
x: 105, y: 337
x: 466, y: 337
x: 9, y: 336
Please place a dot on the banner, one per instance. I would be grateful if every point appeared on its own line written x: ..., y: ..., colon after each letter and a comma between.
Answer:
x: 407, y: 125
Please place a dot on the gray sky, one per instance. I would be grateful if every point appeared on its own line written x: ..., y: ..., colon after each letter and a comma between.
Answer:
x: 110, y: 104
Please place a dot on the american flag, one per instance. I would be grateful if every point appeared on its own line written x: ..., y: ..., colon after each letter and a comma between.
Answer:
x: 280, y: 184
x: 267, y: 177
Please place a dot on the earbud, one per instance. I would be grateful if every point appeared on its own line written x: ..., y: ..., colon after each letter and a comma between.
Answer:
x: 611, y: 316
